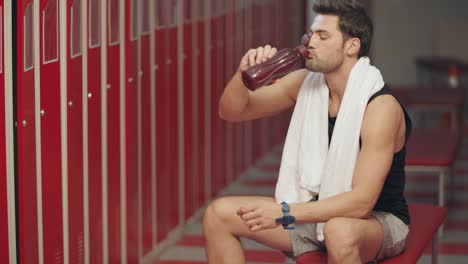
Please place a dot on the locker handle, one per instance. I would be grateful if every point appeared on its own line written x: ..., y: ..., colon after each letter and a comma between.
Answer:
x: 42, y: 112
x: 25, y: 123
x: 90, y: 95
x: 155, y: 67
x: 70, y: 104
x: 130, y: 80
x: 108, y: 86
x: 168, y: 61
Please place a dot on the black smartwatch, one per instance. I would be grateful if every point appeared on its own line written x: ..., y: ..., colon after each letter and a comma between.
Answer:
x: 287, y: 219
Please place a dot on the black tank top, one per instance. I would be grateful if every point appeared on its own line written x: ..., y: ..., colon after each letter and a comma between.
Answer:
x: 391, y: 198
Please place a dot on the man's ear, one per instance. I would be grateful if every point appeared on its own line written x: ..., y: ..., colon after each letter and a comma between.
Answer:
x: 352, y: 46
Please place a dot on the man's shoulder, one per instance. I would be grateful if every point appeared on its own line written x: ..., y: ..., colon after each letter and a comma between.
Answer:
x: 383, y: 115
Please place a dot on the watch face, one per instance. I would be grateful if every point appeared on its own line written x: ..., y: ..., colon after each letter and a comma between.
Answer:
x: 289, y: 219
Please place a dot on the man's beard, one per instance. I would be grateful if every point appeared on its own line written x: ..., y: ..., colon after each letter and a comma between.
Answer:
x: 324, y: 66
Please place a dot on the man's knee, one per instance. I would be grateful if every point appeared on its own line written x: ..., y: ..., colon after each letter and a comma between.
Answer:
x: 218, y: 212
x: 340, y: 237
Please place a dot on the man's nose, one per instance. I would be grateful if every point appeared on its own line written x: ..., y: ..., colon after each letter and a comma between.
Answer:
x: 308, y: 40
x: 312, y: 41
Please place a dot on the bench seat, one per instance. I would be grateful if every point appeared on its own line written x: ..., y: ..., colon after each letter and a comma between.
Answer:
x: 423, y: 99
x: 433, y: 150
x: 425, y: 220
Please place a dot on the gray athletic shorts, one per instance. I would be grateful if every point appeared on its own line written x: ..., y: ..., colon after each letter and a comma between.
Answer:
x: 394, y: 237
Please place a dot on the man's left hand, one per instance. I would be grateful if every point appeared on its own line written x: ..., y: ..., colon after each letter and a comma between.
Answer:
x: 260, y: 214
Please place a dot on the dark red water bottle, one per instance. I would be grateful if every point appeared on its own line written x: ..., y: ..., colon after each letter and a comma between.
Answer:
x: 283, y: 62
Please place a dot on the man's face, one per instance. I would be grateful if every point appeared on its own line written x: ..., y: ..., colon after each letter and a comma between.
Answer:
x: 325, y: 45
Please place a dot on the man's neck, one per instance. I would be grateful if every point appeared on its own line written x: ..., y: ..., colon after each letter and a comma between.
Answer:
x: 337, y: 80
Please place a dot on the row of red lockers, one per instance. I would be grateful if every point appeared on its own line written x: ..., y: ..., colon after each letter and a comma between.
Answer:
x: 119, y: 144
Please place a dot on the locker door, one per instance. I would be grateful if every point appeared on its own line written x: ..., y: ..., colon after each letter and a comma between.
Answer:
x: 114, y: 132
x: 3, y: 174
x: 172, y: 105
x: 50, y: 131
x: 75, y: 131
x: 7, y: 239
x: 133, y: 155
x: 145, y: 126
x: 200, y: 53
x: 94, y: 131
x: 167, y: 118
x: 190, y: 114
x: 162, y: 144
x: 215, y: 72
x: 27, y: 173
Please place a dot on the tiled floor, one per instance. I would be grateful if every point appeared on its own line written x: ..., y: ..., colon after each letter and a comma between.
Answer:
x: 261, y: 179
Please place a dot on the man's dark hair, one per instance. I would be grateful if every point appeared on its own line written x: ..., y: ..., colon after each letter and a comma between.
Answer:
x: 353, y: 20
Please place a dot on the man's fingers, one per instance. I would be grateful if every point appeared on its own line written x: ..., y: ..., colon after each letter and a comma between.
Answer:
x: 249, y: 216
x: 252, y: 222
x: 252, y: 54
x: 256, y: 228
x: 266, y: 52
x: 260, y: 52
x: 256, y: 56
x: 272, y: 52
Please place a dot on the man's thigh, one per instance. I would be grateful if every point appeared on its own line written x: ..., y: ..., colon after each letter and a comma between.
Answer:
x: 371, y: 239
x: 226, y: 209
x: 367, y: 234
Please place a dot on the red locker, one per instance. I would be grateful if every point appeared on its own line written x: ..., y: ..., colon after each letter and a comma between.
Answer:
x: 4, y: 246
x: 75, y: 131
x: 27, y: 173
x: 94, y: 118
x: 172, y: 109
x: 200, y: 53
x: 167, y: 118
x: 192, y: 181
x: 50, y: 123
x: 132, y: 35
x: 114, y: 132
x: 145, y: 127
x: 162, y: 168
x: 216, y: 73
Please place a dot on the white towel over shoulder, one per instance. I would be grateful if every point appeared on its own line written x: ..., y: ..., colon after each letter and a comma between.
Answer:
x: 308, y: 164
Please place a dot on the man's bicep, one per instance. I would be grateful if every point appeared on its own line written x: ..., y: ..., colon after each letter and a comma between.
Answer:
x: 274, y: 98
x: 371, y: 171
x: 378, y: 136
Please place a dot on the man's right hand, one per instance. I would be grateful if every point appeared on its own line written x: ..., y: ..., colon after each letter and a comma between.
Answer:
x: 238, y: 103
x: 256, y: 56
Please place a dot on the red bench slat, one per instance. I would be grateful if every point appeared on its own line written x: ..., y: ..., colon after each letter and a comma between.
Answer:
x: 422, y: 95
x: 425, y: 220
x: 432, y: 147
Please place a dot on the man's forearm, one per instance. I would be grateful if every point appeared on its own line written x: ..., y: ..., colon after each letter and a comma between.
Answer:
x: 234, y: 99
x: 349, y: 204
